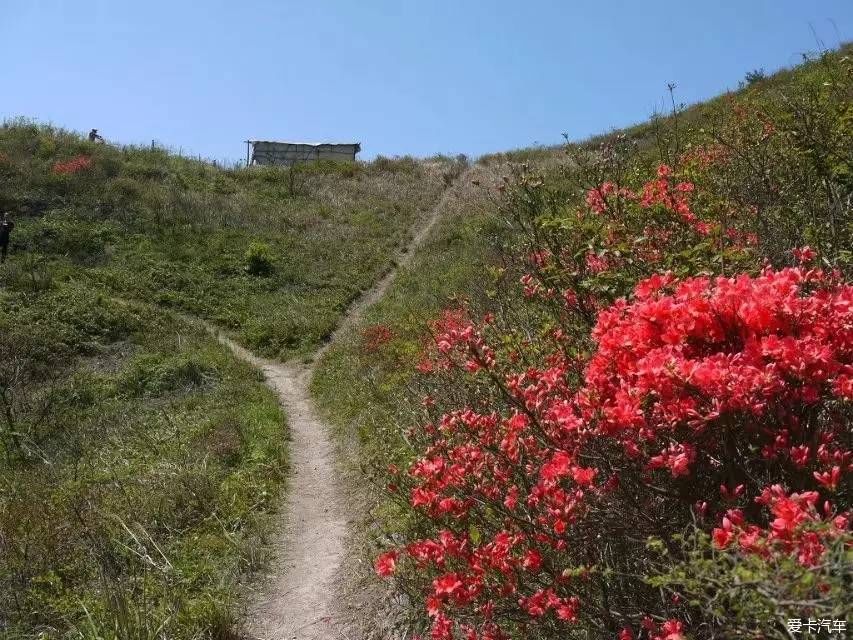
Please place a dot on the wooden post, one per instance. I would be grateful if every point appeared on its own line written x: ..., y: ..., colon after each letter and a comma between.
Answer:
x: 248, y: 142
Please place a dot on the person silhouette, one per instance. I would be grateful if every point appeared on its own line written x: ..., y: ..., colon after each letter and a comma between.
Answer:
x: 5, y: 232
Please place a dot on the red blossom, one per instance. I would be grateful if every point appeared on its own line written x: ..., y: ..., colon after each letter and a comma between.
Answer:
x: 596, y: 263
x: 374, y: 337
x: 674, y: 368
x: 722, y: 538
x: 75, y: 165
x: 386, y: 563
x: 670, y: 630
x: 829, y: 479
x: 804, y: 254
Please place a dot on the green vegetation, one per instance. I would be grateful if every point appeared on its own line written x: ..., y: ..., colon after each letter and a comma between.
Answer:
x: 744, y: 592
x: 140, y: 463
x: 464, y: 259
x: 272, y: 254
x: 361, y: 377
x: 771, y: 163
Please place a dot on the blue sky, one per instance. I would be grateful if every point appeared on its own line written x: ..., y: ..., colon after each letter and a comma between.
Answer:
x: 401, y: 77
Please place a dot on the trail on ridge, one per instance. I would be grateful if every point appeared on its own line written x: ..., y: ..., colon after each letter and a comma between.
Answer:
x: 299, y: 600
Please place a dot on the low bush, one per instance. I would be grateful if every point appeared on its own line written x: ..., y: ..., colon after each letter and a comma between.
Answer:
x: 155, y: 375
x: 259, y: 260
x: 401, y: 164
x: 61, y: 235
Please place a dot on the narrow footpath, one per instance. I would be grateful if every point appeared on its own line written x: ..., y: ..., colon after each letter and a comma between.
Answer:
x: 298, y: 601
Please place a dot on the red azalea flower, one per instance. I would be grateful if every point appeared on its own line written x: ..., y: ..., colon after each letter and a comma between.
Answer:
x: 386, y: 563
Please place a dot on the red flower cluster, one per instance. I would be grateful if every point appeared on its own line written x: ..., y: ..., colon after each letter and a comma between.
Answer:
x: 374, y: 337
x: 76, y: 164
x: 456, y: 342
x: 804, y: 255
x: 685, y: 375
x: 754, y: 346
x: 672, y: 196
x: 596, y: 199
x: 790, y: 530
x: 596, y: 263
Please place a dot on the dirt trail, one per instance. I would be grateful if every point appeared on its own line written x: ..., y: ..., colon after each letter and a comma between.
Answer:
x: 300, y: 599
x: 403, y: 258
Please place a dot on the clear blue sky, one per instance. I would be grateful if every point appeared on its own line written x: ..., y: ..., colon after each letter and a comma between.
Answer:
x: 417, y: 77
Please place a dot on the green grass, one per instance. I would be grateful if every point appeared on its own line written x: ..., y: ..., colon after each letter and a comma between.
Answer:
x: 141, y: 464
x: 177, y: 232
x: 362, y: 389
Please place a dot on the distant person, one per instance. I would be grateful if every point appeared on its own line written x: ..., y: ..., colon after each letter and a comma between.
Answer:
x: 5, y: 232
x: 94, y: 136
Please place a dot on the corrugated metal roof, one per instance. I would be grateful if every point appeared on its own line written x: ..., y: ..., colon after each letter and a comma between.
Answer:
x: 307, y: 144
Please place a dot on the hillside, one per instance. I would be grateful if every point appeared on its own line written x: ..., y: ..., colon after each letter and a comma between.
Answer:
x: 270, y: 254
x: 779, y: 148
x: 469, y: 245
x: 142, y: 465
x: 528, y: 367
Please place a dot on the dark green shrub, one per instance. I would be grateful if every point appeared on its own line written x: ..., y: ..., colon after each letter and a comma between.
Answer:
x: 258, y: 259
x: 154, y: 375
x: 62, y: 235
x: 746, y: 595
x: 756, y: 75
x: 27, y: 274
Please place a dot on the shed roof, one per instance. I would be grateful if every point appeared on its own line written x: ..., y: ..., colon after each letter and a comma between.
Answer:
x: 306, y: 144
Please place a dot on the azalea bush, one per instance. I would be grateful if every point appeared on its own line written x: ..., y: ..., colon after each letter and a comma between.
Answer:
x: 661, y: 414
x: 375, y: 336
x: 701, y: 399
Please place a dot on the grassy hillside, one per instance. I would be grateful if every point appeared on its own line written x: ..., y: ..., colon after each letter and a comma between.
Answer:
x: 458, y: 260
x: 140, y: 462
x: 272, y: 254
x: 464, y: 258
x: 785, y: 141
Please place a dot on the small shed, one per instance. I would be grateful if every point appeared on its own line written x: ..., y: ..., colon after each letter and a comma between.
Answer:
x: 289, y: 153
